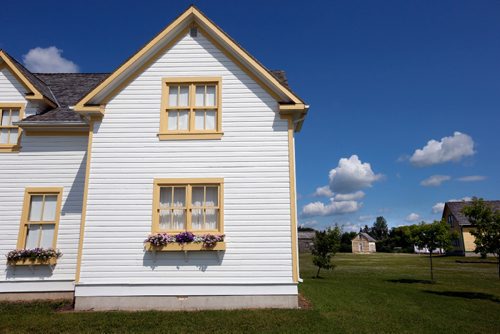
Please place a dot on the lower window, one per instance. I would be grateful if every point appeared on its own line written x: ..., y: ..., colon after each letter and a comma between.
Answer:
x: 194, y: 205
x: 40, y: 218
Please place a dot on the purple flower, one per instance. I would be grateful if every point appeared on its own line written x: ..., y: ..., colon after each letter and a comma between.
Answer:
x: 184, y: 237
x: 33, y: 254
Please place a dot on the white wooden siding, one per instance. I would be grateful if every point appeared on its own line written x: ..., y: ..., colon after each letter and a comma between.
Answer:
x: 42, y: 162
x: 252, y: 157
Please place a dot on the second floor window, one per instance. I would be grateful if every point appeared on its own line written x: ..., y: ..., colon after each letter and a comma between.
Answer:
x: 191, y: 106
x: 9, y: 133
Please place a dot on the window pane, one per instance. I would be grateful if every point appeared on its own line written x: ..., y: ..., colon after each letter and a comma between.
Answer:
x: 13, y: 136
x: 210, y: 96
x: 14, y: 116
x: 165, y: 197
x: 197, y: 219
x: 197, y: 196
x: 212, y: 196
x: 5, y: 117
x: 49, y: 211
x: 172, y: 96
x: 211, y: 217
x: 165, y: 219
x: 47, y: 235
x: 32, y: 236
x: 4, y: 136
x: 172, y: 120
x: 179, y: 197
x: 200, y: 96
x: 183, y: 120
x: 184, y: 96
x: 210, y: 125
x: 179, y: 219
x: 199, y: 120
x: 36, y: 208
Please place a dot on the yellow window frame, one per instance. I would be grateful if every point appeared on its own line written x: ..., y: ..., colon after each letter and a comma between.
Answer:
x: 7, y: 148
x: 23, y: 228
x: 188, y: 183
x: 191, y: 108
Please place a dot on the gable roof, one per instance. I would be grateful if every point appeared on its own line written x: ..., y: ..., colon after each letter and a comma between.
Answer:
x: 39, y: 90
x: 275, y: 83
x: 455, y: 209
x: 366, y: 236
x: 68, y: 88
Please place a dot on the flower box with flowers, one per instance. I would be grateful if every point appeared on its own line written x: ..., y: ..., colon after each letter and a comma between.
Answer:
x: 184, y: 241
x: 33, y: 257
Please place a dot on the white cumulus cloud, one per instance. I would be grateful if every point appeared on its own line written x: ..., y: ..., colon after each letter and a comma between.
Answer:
x: 323, y: 192
x: 366, y: 218
x: 351, y: 175
x: 350, y: 197
x: 48, y: 60
x: 412, y: 217
x: 438, y: 207
x: 435, y: 180
x: 472, y: 178
x: 330, y: 209
x: 452, y: 148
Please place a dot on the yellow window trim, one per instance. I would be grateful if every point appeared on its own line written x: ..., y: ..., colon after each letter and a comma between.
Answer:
x: 191, y: 133
x: 189, y: 183
x: 10, y: 148
x: 21, y: 241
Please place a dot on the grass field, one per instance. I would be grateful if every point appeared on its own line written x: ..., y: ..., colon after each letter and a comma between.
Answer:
x: 382, y: 293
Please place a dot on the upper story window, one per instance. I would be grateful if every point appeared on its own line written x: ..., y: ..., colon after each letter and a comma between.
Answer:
x: 191, y: 108
x: 450, y: 220
x: 40, y: 218
x: 9, y: 133
x: 193, y: 205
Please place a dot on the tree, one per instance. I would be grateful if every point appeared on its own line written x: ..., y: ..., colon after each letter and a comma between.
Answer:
x: 487, y: 227
x: 345, y: 242
x: 432, y: 236
x: 380, y: 230
x: 325, y: 245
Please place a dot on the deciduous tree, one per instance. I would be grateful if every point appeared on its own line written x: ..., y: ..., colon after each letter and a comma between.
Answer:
x: 325, y: 245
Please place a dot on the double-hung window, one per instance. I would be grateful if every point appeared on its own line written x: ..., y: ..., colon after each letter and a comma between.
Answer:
x: 10, y: 133
x: 194, y: 205
x: 191, y: 108
x: 40, y: 218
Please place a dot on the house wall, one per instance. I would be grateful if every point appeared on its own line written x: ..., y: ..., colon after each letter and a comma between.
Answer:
x: 468, y: 239
x: 42, y: 162
x: 368, y: 247
x: 252, y: 157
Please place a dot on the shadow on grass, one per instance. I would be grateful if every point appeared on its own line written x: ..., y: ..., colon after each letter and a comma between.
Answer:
x: 479, y: 261
x: 466, y: 295
x: 410, y: 281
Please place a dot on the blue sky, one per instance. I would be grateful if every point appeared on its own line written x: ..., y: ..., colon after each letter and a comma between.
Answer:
x: 383, y: 78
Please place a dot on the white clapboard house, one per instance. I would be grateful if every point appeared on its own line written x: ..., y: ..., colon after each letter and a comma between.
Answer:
x: 166, y: 184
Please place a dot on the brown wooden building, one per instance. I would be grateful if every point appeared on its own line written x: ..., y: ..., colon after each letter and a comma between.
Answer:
x: 363, y: 243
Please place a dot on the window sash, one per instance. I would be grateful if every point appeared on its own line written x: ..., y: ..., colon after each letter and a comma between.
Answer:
x: 206, y: 91
x: 39, y: 228
x: 9, y: 133
x: 211, y: 224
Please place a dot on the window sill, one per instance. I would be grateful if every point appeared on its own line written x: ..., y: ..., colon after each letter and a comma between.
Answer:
x: 190, y: 136
x: 196, y: 247
x: 30, y: 262
x: 9, y: 148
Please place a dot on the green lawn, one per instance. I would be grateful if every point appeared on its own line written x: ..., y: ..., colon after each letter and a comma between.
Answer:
x: 383, y: 293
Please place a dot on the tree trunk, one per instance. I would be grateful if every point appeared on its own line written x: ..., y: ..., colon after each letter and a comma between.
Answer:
x: 432, y: 273
x: 498, y: 266
x: 317, y: 273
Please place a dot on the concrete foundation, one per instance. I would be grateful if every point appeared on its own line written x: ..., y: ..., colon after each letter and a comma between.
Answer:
x: 171, y: 303
x: 27, y: 296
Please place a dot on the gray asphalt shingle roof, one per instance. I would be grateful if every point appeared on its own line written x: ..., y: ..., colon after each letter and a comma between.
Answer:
x: 456, y: 210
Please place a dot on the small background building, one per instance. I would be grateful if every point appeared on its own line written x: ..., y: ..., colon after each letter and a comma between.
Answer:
x: 306, y: 241
x: 452, y: 212
x: 363, y: 243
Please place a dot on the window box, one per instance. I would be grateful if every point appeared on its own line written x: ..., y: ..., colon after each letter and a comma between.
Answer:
x: 191, y: 247
x: 33, y: 262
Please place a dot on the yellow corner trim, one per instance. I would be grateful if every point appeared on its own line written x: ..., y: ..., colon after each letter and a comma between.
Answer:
x: 185, y: 247
x: 190, y: 136
x: 30, y: 262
